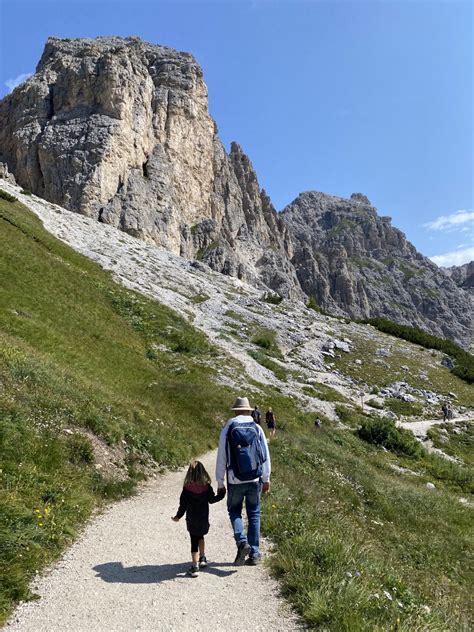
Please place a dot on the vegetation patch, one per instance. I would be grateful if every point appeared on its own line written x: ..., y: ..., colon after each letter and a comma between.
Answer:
x: 4, y: 195
x: 352, y: 547
x: 464, y: 367
x: 383, y: 432
x: 272, y: 297
x: 263, y: 359
x: 200, y: 298
x: 78, y: 351
x: 266, y: 340
x: 400, y: 407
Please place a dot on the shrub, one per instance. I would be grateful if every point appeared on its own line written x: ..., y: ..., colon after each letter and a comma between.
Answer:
x: 6, y: 196
x: 311, y: 304
x: 384, y: 432
x: 80, y: 450
x: 401, y: 407
x: 272, y: 297
x: 266, y: 339
x: 26, y: 192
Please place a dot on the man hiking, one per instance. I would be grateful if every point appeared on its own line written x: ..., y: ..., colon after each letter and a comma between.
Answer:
x: 257, y: 415
x: 244, y: 458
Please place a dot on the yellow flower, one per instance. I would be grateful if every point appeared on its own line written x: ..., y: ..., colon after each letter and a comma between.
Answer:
x: 40, y: 524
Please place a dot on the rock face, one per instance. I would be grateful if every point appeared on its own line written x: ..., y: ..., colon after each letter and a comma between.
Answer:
x: 353, y: 262
x: 119, y: 130
x: 463, y: 276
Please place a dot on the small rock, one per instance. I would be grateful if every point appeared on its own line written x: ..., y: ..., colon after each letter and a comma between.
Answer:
x: 430, y: 486
x: 447, y: 362
x: 358, y: 361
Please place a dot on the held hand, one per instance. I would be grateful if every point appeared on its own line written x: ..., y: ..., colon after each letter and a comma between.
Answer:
x: 175, y: 519
x: 266, y: 488
x: 221, y: 490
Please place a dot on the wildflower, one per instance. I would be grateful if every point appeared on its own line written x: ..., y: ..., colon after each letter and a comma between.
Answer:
x: 349, y: 574
x: 40, y: 524
x: 400, y: 605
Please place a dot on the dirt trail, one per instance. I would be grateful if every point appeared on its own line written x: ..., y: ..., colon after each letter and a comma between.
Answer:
x: 128, y: 572
x: 421, y: 427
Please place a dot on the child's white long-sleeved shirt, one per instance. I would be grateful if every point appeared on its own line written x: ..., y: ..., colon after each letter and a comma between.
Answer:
x: 221, y: 464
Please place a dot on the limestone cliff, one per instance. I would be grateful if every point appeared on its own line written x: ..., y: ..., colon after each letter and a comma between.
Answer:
x: 119, y: 130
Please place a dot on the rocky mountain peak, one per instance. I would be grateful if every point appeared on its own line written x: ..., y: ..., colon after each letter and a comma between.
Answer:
x: 118, y: 129
x: 353, y: 262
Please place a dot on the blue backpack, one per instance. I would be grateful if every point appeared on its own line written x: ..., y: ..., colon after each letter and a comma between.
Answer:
x: 245, y: 450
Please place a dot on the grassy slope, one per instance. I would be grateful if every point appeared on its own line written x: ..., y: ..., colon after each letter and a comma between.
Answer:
x: 361, y: 547
x: 78, y: 350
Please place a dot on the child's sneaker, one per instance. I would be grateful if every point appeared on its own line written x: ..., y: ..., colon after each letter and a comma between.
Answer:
x: 193, y: 571
x: 202, y: 561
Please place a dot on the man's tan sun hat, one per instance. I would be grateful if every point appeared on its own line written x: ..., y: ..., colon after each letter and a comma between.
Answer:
x: 241, y: 403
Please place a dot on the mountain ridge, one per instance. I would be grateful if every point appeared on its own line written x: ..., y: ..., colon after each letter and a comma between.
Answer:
x: 119, y: 130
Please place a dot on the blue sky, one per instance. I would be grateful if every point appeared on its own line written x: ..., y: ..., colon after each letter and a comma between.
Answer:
x: 335, y: 96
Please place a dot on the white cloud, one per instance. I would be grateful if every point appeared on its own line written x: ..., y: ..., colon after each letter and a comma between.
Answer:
x: 453, y: 221
x: 13, y: 83
x: 455, y: 257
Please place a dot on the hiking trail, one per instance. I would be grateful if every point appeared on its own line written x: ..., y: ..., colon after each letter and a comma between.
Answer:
x: 127, y: 572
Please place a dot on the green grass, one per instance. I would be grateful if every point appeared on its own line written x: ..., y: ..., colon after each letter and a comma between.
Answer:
x: 79, y: 351
x: 325, y: 392
x: 464, y: 361
x: 263, y: 359
x: 455, y: 439
x: 400, y: 407
x: 200, y: 298
x: 349, y: 532
x: 266, y: 340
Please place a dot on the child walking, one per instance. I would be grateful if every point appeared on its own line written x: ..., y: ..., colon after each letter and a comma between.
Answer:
x: 194, y: 501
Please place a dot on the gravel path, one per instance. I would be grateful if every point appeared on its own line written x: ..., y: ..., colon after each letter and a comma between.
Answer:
x: 127, y: 572
x: 421, y: 427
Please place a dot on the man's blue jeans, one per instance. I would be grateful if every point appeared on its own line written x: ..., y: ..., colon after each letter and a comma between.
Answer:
x: 235, y: 499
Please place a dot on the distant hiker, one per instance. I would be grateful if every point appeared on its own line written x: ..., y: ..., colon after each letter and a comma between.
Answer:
x: 449, y: 412
x: 444, y: 408
x: 271, y: 421
x: 194, y: 502
x: 317, y: 423
x: 243, y: 458
x: 256, y: 415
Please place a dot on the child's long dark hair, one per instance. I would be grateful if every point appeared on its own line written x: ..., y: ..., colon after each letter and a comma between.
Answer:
x: 197, y: 474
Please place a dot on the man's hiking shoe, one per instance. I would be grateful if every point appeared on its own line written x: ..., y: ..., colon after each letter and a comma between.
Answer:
x: 242, y: 551
x: 252, y: 561
x: 193, y: 571
x: 202, y: 561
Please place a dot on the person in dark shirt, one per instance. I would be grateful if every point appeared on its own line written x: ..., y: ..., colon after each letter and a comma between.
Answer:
x: 194, y: 501
x: 256, y: 415
x: 271, y: 421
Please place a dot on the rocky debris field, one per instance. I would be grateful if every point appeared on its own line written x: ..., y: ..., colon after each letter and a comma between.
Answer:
x: 314, y: 358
